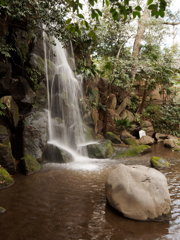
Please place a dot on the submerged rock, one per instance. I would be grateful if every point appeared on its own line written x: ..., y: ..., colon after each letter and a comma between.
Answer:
x: 138, y: 192
x: 133, y: 151
x: 29, y: 165
x: 158, y: 162
x: 5, y: 179
x: 103, y: 149
x: 56, y: 155
x: 113, y: 137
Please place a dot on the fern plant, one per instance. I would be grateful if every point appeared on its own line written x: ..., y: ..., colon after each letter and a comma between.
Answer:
x: 122, y: 124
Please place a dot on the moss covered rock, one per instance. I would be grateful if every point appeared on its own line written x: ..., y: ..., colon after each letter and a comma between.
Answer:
x: 133, y: 151
x: 102, y: 149
x: 176, y: 148
x: 158, y: 162
x: 5, y: 179
x: 131, y: 141
x: 6, y: 158
x: 113, y: 137
x: 29, y: 165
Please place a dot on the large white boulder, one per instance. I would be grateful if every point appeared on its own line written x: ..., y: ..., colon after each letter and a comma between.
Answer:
x: 138, y: 192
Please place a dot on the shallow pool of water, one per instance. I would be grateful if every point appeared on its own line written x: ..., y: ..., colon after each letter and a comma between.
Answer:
x: 68, y: 202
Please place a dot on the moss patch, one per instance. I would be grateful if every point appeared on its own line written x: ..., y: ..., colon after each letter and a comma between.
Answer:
x: 113, y: 137
x: 133, y: 151
x: 29, y: 165
x: 158, y: 162
x: 102, y: 150
x: 5, y: 179
x: 131, y: 141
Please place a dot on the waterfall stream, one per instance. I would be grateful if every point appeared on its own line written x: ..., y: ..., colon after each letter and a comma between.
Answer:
x: 64, y: 90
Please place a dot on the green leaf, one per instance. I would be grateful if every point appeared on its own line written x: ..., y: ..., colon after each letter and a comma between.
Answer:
x: 149, y: 2
x: 107, y: 3
x: 69, y: 26
x: 80, y: 16
x: 161, y: 13
x: 68, y: 21
x: 87, y: 24
x: 115, y: 16
x: 152, y: 7
x: 91, y: 33
x: 2, y: 2
x: 138, y: 8
x: 99, y: 12
x: 93, y: 14
x: 126, y: 2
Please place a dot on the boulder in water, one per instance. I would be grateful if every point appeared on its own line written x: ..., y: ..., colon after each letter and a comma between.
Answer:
x: 103, y: 149
x: 133, y: 151
x: 29, y: 165
x: 138, y: 192
x: 146, y: 140
x: 159, y: 163
x: 5, y: 179
x: 169, y: 143
x: 56, y: 155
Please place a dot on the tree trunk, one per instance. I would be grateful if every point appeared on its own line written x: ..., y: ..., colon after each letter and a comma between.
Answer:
x: 139, y: 36
x: 143, y: 99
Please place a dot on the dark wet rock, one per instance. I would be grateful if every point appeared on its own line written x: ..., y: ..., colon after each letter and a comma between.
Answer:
x: 102, y: 84
x: 159, y: 163
x: 20, y: 39
x: 93, y: 95
x: 133, y: 151
x: 4, y: 136
x: 113, y: 137
x: 6, y: 158
x: 103, y: 149
x: 111, y: 102
x: 29, y: 165
x: 55, y: 154
x: 148, y: 128
x: 41, y: 96
x: 5, y: 179
x: 35, y: 134
x: 146, y: 140
x: 169, y: 143
x: 2, y: 210
x: 11, y: 111
x: 138, y: 192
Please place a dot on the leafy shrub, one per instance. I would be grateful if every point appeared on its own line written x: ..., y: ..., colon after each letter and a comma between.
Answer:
x: 123, y: 124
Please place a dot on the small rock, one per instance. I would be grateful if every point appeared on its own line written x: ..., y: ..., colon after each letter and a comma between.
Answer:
x: 159, y: 163
x: 169, y: 143
x: 146, y: 140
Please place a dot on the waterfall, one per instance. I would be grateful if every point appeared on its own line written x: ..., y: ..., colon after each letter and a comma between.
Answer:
x: 64, y: 90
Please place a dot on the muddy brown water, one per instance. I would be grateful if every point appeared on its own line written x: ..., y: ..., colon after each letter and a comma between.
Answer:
x: 68, y: 202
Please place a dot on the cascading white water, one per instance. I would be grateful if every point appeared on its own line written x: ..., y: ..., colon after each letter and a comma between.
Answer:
x: 64, y: 89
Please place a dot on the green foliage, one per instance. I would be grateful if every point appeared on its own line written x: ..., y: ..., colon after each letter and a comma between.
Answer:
x: 123, y: 124
x: 6, y: 49
x: 88, y: 71
x: 2, y: 106
x: 165, y: 118
x: 35, y: 76
x: 100, y: 106
x: 133, y: 104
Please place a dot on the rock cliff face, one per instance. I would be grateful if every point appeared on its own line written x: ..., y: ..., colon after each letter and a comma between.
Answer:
x: 23, y: 93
